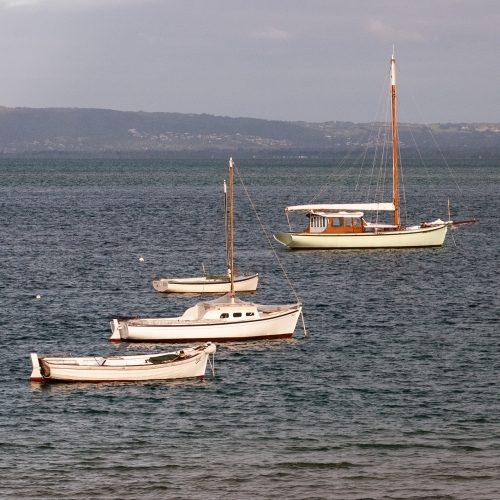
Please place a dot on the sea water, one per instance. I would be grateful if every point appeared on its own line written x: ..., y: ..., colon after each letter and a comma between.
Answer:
x: 394, y: 393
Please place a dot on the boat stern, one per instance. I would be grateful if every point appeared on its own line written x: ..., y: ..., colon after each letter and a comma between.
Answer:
x: 209, y: 348
x: 36, y: 374
x: 115, y: 326
x: 283, y: 238
x: 161, y: 285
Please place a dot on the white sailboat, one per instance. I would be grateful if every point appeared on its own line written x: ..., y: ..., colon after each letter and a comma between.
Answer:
x: 210, y: 284
x: 342, y: 225
x: 186, y: 363
x: 221, y: 320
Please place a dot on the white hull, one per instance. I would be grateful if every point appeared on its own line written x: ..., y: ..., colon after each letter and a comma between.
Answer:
x: 276, y: 324
x: 206, y: 285
x: 121, y: 369
x: 408, y: 238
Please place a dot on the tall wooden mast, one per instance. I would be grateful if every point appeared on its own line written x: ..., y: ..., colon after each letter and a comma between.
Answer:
x: 231, y: 228
x: 226, y: 225
x: 395, y: 194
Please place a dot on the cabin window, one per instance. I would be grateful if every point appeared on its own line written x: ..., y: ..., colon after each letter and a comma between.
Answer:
x: 337, y: 222
x: 236, y: 315
x: 250, y: 314
x: 318, y: 224
x: 356, y: 222
x: 348, y: 221
x: 224, y: 315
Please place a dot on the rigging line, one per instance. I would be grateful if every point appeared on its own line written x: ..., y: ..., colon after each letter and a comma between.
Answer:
x: 344, y: 159
x: 402, y: 180
x: 376, y: 148
x: 344, y: 176
x: 453, y: 237
x: 441, y: 154
x: 373, y: 163
x: 379, y: 189
x: 401, y: 176
x: 433, y: 187
x: 359, y: 160
x: 214, y: 234
x: 384, y: 151
x: 265, y: 232
x: 386, y: 166
x: 382, y: 171
x: 354, y: 195
x: 383, y: 92
x: 352, y: 149
x: 371, y: 137
x: 382, y: 166
x: 365, y: 154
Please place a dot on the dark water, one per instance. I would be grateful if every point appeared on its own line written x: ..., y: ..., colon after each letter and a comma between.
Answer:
x: 394, y: 395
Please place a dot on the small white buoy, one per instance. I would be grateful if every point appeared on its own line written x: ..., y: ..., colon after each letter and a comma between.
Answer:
x: 141, y: 259
x: 38, y: 297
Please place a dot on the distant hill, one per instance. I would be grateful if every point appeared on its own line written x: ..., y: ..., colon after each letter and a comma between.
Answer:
x: 75, y: 132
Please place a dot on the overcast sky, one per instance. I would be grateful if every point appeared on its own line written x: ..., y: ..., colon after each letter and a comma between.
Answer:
x: 313, y: 60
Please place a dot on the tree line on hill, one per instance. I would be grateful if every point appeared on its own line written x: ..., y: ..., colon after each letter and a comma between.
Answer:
x: 80, y: 133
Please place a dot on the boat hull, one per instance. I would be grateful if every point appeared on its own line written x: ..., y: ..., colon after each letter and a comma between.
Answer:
x: 278, y: 326
x: 408, y: 238
x: 206, y: 285
x: 56, y: 370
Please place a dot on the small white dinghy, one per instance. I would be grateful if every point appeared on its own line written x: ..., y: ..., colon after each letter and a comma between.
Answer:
x: 186, y: 363
x: 207, y: 284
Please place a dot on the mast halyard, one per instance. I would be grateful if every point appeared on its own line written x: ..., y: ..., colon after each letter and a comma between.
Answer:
x: 231, y: 229
x: 395, y: 194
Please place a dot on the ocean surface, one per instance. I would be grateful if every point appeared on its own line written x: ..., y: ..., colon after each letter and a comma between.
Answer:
x: 393, y: 395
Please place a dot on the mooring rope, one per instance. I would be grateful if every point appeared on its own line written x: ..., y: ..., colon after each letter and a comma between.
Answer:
x: 270, y: 244
x: 212, y: 366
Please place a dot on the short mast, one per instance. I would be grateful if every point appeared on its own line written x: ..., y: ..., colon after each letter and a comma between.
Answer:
x: 395, y: 195
x: 231, y: 229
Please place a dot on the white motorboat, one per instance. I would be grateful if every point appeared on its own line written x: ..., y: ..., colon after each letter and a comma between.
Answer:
x: 185, y: 363
x: 210, y: 284
x: 342, y: 225
x: 221, y: 320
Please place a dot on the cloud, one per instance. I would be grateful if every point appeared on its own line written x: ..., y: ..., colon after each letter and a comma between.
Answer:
x: 385, y: 32
x: 73, y: 4
x: 272, y: 33
x: 19, y: 3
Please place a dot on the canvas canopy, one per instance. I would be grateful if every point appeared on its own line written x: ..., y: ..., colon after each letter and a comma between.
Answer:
x: 378, y: 207
x: 338, y: 214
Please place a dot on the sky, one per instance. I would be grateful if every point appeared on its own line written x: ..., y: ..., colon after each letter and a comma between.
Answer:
x: 293, y: 60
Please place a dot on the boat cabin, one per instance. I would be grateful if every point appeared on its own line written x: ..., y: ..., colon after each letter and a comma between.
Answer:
x: 342, y: 222
x: 226, y: 311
